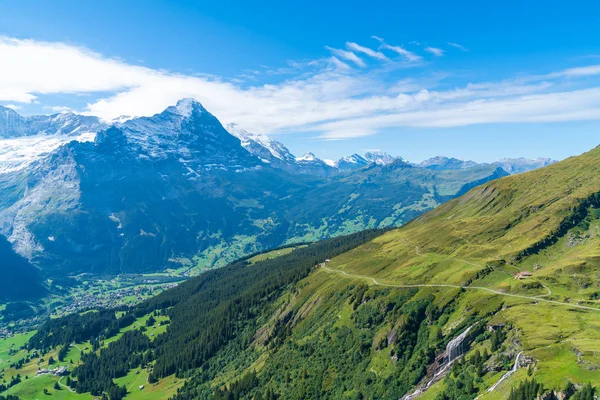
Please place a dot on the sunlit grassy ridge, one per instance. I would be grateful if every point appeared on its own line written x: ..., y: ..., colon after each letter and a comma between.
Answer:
x: 545, y: 222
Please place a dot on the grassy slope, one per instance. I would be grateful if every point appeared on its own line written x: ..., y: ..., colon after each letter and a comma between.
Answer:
x: 498, y: 221
x: 491, y: 225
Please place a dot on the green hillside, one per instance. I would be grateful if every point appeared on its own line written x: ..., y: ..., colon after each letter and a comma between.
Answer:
x: 372, y: 322
x: 544, y: 222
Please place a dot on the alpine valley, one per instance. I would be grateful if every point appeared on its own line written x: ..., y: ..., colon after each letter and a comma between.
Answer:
x: 178, y: 190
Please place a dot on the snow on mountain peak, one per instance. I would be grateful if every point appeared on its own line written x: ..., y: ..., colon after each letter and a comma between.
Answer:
x: 351, y: 162
x: 307, y: 157
x: 250, y: 140
x: 354, y: 158
x: 18, y: 153
x: 186, y: 106
x: 379, y: 157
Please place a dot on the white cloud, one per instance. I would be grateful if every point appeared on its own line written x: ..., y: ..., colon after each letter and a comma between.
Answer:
x: 379, y: 39
x: 458, y: 46
x: 582, y: 71
x: 435, y: 51
x: 326, y: 96
x: 365, y: 50
x: 61, y: 109
x: 339, y: 65
x: 347, y: 55
x: 550, y: 107
x: 410, y: 56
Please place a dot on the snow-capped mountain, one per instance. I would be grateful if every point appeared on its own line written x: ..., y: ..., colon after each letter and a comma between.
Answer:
x: 26, y: 140
x: 189, y: 134
x: 261, y: 145
x: 519, y: 165
x: 349, y: 163
x: 379, y: 157
x: 146, y: 180
x: 308, y: 158
x: 310, y: 164
x: 277, y: 155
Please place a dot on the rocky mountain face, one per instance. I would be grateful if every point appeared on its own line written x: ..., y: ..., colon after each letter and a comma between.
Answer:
x: 20, y: 280
x: 179, y: 187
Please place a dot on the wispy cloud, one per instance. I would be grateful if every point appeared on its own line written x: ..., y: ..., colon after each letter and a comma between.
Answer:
x: 379, y: 39
x: 458, y: 46
x: 61, y: 109
x: 582, y: 71
x: 347, y: 55
x: 365, y: 50
x: 410, y: 56
x: 435, y: 51
x: 326, y: 96
x: 339, y: 65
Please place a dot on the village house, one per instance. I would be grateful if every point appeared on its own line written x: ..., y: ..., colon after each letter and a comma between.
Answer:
x: 522, y: 275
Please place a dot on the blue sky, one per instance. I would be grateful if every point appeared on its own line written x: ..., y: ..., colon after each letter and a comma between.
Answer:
x: 479, y: 80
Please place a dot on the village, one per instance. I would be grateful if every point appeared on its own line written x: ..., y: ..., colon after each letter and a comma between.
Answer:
x: 58, y: 371
x: 82, y: 300
x: 85, y: 300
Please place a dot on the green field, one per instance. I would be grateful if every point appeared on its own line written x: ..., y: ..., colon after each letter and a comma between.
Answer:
x: 33, y: 387
x: 163, y: 389
x: 13, y: 343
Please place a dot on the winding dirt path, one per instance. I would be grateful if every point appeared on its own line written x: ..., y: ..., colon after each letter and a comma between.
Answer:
x: 481, y: 288
x: 65, y: 386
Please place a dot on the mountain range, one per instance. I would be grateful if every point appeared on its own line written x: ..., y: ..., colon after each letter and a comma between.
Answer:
x: 81, y: 195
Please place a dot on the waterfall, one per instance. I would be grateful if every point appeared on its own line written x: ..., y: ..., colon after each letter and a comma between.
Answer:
x: 455, y: 347
x: 505, y: 376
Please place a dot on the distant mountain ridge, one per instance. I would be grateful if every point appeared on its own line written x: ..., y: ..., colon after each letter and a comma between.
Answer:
x: 64, y: 127
x: 439, y: 163
x: 510, y: 165
x: 274, y: 152
x: 519, y: 165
